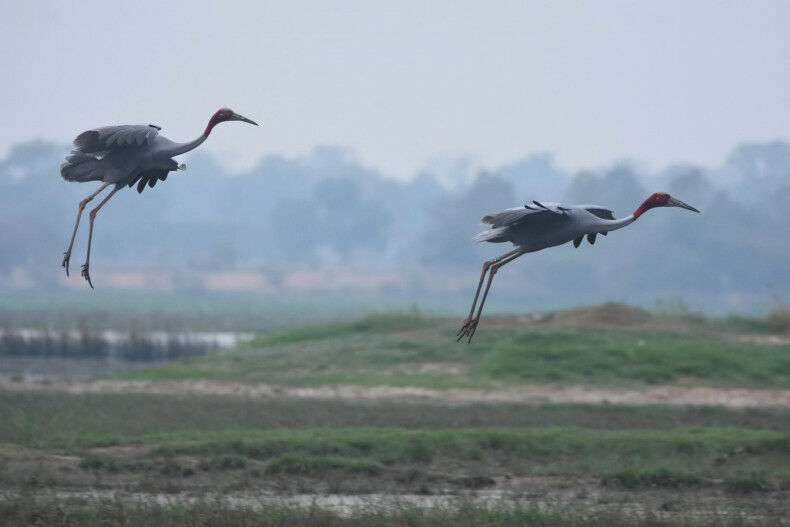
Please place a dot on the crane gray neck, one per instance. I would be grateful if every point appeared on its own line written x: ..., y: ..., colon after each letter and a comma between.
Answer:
x: 613, y: 225
x: 181, y: 148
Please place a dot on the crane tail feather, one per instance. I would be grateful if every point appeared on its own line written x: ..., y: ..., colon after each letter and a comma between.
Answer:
x: 490, y: 235
x: 80, y: 167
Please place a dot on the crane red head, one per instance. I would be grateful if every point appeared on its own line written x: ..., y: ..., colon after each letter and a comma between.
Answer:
x: 661, y: 199
x: 225, y: 114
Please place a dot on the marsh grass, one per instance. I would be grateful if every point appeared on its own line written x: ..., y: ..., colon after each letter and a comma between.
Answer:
x: 569, y: 451
x: 177, y: 437
x: 637, y: 463
x: 74, y: 421
x: 651, y: 477
x: 777, y: 320
x: 410, y: 350
x: 743, y: 458
x: 294, y: 463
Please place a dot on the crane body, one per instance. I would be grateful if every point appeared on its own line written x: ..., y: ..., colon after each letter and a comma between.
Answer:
x: 537, y: 226
x: 533, y: 227
x: 122, y: 156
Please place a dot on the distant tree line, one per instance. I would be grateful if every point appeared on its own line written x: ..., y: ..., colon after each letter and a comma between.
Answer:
x: 326, y: 210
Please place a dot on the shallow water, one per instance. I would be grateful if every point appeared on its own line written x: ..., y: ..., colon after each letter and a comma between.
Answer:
x: 684, y: 504
x: 42, y: 368
x: 56, y: 368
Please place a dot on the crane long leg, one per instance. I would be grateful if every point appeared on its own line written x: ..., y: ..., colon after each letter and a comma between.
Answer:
x: 486, y: 266
x: 80, y: 208
x: 470, y: 330
x: 85, y: 267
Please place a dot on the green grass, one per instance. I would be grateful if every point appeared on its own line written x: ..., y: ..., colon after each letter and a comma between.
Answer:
x: 777, y: 320
x: 408, y: 350
x: 651, y: 477
x: 625, y: 465
x: 174, y: 437
x: 631, y: 457
x: 292, y: 463
x: 58, y: 420
x: 567, y: 451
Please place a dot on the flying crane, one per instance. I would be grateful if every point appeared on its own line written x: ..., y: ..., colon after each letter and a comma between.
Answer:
x: 537, y: 225
x: 122, y: 156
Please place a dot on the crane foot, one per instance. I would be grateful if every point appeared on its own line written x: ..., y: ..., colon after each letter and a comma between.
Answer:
x: 472, y: 329
x: 65, y: 264
x: 468, y: 329
x: 462, y: 331
x: 86, y: 275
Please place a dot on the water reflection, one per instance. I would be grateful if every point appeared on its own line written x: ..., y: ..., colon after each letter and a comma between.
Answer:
x: 34, y: 354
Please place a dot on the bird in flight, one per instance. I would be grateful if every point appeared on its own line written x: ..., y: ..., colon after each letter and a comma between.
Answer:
x: 122, y: 156
x: 537, y: 226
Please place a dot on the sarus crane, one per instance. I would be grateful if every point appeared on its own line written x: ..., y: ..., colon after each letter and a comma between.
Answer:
x: 122, y: 156
x: 537, y: 226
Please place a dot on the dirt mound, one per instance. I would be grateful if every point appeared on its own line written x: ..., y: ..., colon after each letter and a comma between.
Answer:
x: 610, y: 314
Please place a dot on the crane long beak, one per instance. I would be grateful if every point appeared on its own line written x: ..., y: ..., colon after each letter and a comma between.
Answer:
x: 237, y: 117
x: 677, y: 203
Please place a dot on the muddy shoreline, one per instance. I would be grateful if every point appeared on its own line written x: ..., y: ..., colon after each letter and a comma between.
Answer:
x: 525, y: 394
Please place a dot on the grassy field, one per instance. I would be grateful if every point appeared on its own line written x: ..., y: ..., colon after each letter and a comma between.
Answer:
x: 409, y: 350
x: 145, y: 442
x: 209, y: 459
x: 58, y: 420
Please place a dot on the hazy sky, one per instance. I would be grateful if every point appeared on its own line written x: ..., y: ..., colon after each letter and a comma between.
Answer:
x: 403, y: 82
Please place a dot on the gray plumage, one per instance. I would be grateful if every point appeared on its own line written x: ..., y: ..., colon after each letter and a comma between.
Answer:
x: 539, y: 225
x: 109, y: 137
x: 124, y: 155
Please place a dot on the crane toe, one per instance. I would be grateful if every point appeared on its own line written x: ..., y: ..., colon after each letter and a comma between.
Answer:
x: 472, y: 329
x: 462, y: 331
x: 86, y: 274
x: 65, y: 264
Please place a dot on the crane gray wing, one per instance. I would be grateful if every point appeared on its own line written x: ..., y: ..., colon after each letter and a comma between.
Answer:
x: 519, y: 215
x: 503, y: 223
x: 112, y: 137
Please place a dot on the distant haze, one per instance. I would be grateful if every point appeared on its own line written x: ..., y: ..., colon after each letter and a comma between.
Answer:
x: 323, y: 222
x: 407, y: 85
